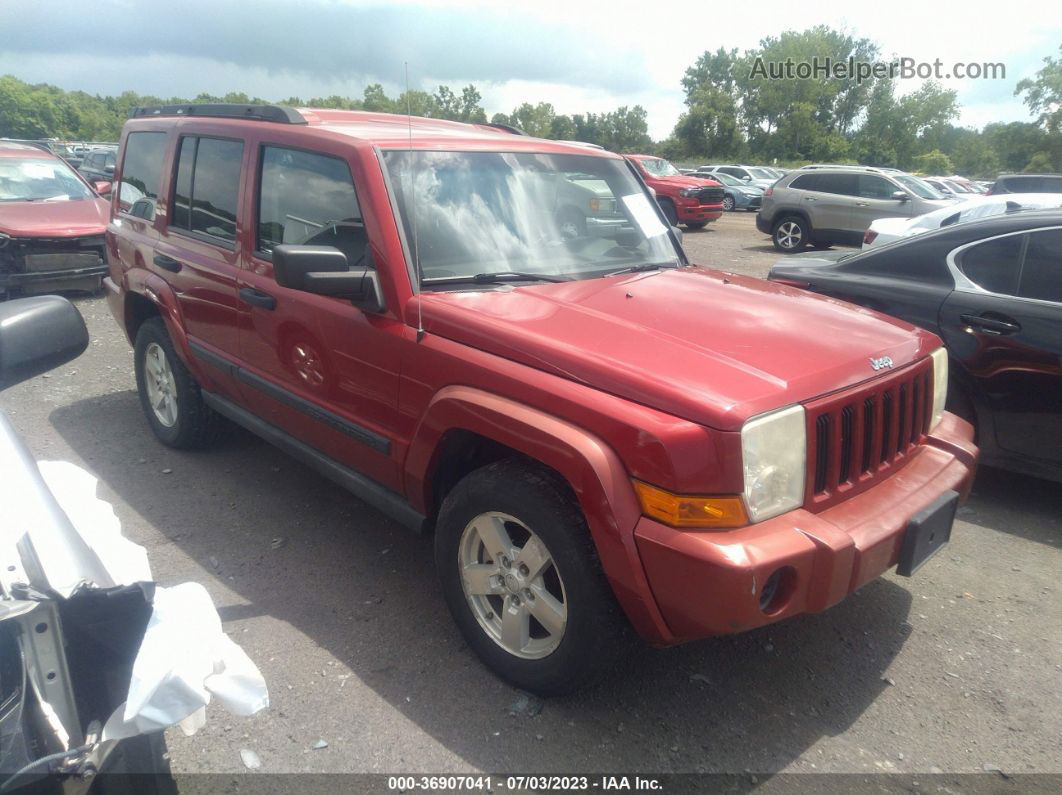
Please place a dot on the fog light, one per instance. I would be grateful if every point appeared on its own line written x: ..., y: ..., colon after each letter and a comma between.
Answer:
x: 777, y: 589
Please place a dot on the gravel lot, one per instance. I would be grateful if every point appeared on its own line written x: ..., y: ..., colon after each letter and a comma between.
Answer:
x: 955, y: 670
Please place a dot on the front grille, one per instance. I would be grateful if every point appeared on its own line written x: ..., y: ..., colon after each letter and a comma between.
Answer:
x: 41, y: 255
x: 710, y: 196
x: 858, y: 436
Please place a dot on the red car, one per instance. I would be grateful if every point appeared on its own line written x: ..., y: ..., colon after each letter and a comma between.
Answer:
x: 599, y: 435
x: 51, y: 223
x: 693, y: 201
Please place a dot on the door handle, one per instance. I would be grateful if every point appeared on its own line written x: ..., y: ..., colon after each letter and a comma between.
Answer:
x: 254, y: 297
x: 862, y: 204
x: 810, y: 199
x: 167, y: 263
x: 991, y: 325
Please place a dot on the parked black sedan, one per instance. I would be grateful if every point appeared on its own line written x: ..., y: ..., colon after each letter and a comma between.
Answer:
x: 992, y: 290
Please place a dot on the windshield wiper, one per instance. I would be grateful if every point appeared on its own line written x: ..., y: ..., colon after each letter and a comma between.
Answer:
x: 647, y: 266
x: 498, y: 277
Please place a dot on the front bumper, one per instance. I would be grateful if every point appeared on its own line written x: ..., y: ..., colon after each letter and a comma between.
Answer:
x: 710, y: 583
x: 696, y: 212
x: 9, y: 280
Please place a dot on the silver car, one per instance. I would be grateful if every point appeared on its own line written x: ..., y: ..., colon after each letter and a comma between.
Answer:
x: 823, y: 206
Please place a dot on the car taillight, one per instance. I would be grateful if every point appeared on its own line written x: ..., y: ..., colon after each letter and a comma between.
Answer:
x: 868, y: 237
x: 769, y: 192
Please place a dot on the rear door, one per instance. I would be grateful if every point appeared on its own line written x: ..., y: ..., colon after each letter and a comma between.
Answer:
x: 829, y: 205
x: 1004, y: 326
x: 197, y: 253
x: 874, y: 200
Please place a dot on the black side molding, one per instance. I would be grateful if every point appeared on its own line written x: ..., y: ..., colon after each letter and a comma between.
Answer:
x: 380, y: 444
x: 368, y: 491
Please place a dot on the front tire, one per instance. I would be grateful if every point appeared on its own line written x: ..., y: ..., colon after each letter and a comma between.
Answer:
x: 521, y: 577
x: 169, y: 396
x: 670, y: 213
x: 790, y: 234
x: 696, y: 225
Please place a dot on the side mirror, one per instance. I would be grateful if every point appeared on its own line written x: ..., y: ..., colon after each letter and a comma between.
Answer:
x: 323, y: 270
x: 37, y: 335
x: 108, y: 169
x: 900, y: 196
x: 103, y: 187
x: 746, y: 178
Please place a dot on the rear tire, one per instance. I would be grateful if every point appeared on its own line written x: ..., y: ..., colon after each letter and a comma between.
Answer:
x: 526, y: 515
x: 169, y: 396
x: 790, y: 234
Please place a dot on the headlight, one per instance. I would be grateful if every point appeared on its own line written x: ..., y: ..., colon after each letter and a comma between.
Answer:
x: 688, y: 192
x: 774, y: 454
x: 940, y: 384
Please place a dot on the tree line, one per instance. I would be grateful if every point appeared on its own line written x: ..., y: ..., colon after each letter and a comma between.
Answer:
x: 733, y: 113
x: 34, y: 111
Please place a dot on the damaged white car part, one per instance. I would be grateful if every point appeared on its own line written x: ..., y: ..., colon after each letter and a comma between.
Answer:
x: 92, y: 653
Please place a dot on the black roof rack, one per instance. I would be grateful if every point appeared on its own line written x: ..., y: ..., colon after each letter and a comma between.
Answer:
x: 503, y: 127
x: 280, y: 114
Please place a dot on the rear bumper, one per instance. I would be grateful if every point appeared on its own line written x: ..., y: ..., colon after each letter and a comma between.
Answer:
x: 762, y: 223
x: 710, y: 583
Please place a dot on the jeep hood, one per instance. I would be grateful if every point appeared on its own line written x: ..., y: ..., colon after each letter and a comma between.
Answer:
x: 710, y: 347
x: 54, y: 218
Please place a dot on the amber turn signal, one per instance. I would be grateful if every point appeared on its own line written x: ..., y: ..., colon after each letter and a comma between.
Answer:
x: 682, y: 511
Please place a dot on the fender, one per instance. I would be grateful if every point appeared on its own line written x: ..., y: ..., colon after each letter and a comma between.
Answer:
x: 592, y: 469
x: 154, y: 288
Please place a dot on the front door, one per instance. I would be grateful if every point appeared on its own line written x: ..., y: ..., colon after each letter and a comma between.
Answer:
x: 316, y: 366
x: 875, y: 201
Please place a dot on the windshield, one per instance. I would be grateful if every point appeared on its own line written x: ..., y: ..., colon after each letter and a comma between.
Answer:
x: 761, y: 173
x: 659, y: 168
x: 35, y: 179
x: 918, y: 187
x: 559, y: 216
x: 726, y: 179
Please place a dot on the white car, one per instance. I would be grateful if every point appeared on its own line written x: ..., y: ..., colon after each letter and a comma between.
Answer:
x: 886, y: 230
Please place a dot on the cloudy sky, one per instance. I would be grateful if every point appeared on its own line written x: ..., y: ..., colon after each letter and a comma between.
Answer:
x: 580, y: 55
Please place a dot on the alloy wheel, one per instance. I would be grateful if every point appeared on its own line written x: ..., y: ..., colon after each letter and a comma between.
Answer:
x: 512, y: 585
x: 789, y: 234
x: 160, y: 385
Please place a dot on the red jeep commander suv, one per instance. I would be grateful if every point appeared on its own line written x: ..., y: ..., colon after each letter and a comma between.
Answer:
x: 600, y: 436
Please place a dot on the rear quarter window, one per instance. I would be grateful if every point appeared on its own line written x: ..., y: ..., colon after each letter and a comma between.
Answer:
x: 142, y: 167
x: 994, y: 265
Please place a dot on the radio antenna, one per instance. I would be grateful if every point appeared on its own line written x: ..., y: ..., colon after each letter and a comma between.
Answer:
x: 413, y: 209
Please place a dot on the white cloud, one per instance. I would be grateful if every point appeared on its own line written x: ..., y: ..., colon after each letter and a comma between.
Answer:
x: 581, y: 56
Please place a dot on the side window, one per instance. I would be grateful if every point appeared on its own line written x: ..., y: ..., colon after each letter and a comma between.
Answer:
x: 844, y: 184
x: 309, y: 199
x: 141, y: 168
x: 734, y: 172
x: 109, y: 160
x: 995, y: 264
x: 806, y: 182
x: 207, y: 186
x: 872, y: 187
x: 1041, y: 272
